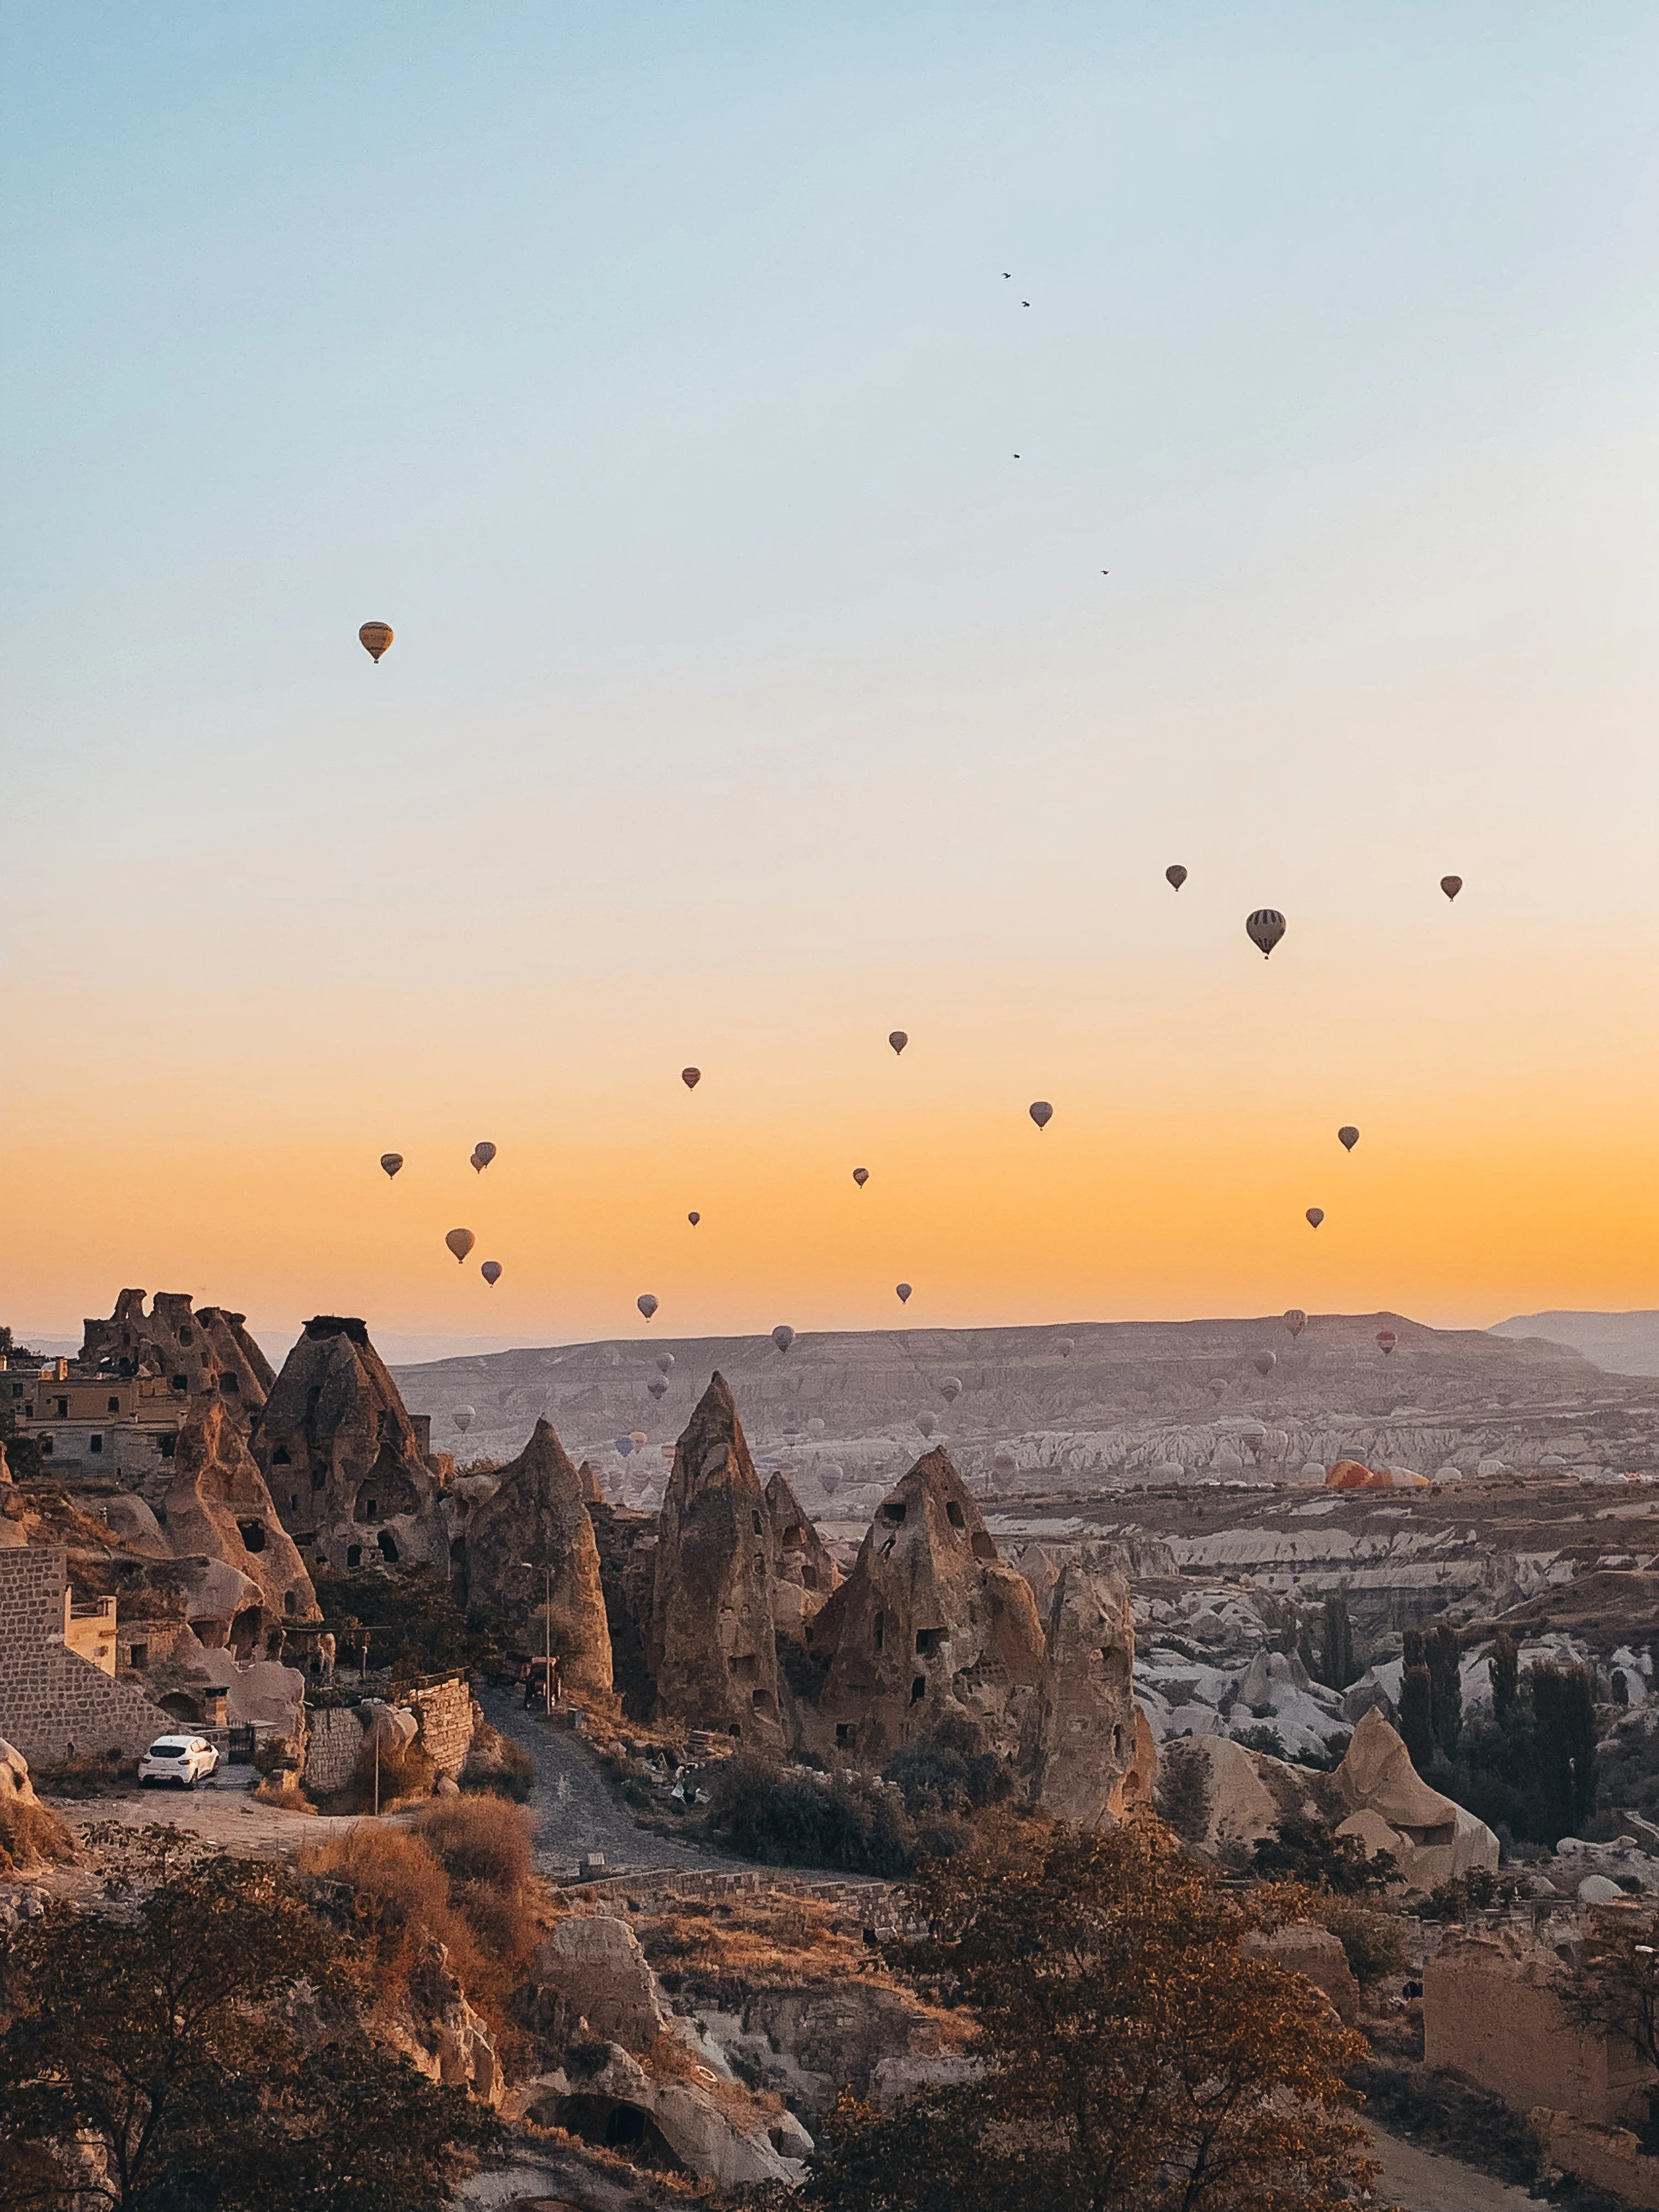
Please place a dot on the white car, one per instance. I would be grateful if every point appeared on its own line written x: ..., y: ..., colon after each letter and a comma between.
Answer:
x: 181, y: 1759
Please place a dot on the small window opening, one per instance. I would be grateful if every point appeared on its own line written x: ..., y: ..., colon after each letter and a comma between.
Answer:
x: 252, y: 1533
x: 111, y: 1404
x: 138, y: 1657
x: 953, y: 1514
x: 183, y: 1336
x: 168, y: 1445
x: 280, y: 1458
x: 293, y: 1501
x: 1117, y: 1741
x: 794, y: 1539
x: 181, y: 1382
x: 895, y: 1514
x: 62, y: 1409
x: 754, y: 1517
x: 231, y: 1384
x: 809, y: 1579
x: 761, y: 1702
x: 371, y: 1511
x: 354, y: 1555
x: 843, y: 1732
x: 94, y: 1443
x: 984, y: 1545
x: 881, y: 1630
x: 319, y: 1477
x: 388, y: 1545
x: 918, y: 1689
x: 127, y: 1340
x: 290, y: 1603
x: 745, y: 1667
x: 929, y: 1639
x: 45, y: 1447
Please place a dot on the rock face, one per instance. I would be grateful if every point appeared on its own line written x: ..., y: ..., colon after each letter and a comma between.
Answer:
x: 217, y: 1506
x: 1317, y: 1955
x: 537, y: 1514
x: 805, y: 1574
x: 343, y: 1461
x: 711, y: 1649
x: 598, y: 1970
x: 1432, y: 1838
x: 1079, y: 1736
x: 211, y: 1350
x: 931, y: 1621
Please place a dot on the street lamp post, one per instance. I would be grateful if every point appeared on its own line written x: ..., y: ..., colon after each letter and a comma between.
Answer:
x: 547, y: 1625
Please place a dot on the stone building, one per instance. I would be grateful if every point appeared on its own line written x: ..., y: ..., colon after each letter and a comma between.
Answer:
x: 193, y: 1352
x: 347, y: 1466
x: 711, y: 1649
x: 58, y: 1696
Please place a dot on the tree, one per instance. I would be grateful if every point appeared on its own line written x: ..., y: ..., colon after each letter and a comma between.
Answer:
x: 1417, y: 1709
x: 1443, y: 1655
x: 1564, y: 1713
x: 164, y: 2037
x: 1504, y: 1672
x: 1613, y: 1990
x: 1134, y: 2055
x: 1338, y: 1667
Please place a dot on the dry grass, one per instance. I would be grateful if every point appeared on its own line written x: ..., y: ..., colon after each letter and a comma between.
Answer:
x: 32, y: 1836
x: 479, y: 1839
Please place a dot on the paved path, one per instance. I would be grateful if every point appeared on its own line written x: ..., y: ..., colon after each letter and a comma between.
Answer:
x: 574, y: 1812
x: 1422, y: 2181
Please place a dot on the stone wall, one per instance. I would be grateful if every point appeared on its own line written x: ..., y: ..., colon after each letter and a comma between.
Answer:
x: 1606, y: 2157
x: 334, y: 1737
x: 1491, y: 2012
x: 50, y: 1699
x: 445, y: 1713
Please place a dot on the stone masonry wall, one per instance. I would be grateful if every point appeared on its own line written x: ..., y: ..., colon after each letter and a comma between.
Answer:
x: 333, y: 1740
x: 445, y: 1713
x: 51, y: 1698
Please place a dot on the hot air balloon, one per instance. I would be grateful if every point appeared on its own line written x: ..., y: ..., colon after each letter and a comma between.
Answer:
x: 482, y: 1154
x: 1066, y: 1347
x: 624, y: 1446
x: 1005, y: 1465
x: 374, y: 637
x: 1216, y: 1386
x: 783, y: 1336
x: 460, y: 1242
x: 901, y: 1291
x: 1388, y: 1340
x: 694, y: 1218
x: 1347, y: 1136
x: 815, y: 1426
x: 949, y: 1389
x: 690, y: 1077
x: 1041, y: 1112
x: 1264, y: 928
x: 664, y: 1362
x: 1265, y: 1362
x: 1315, y: 1215
x: 830, y: 1475
x: 646, y: 1304
x: 638, y: 1438
x: 463, y: 1417
x: 1451, y: 885
x: 1175, y: 877
x: 897, y: 1039
x: 491, y: 1272
x: 1296, y: 1321
x: 657, y: 1387
x: 392, y: 1162
x: 926, y: 1423
x: 860, y: 1177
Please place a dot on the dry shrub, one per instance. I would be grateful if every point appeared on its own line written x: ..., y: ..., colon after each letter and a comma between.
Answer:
x: 1372, y: 1938
x: 32, y: 1835
x: 106, y: 1774
x: 496, y: 1764
x: 406, y: 1771
x: 479, y: 1839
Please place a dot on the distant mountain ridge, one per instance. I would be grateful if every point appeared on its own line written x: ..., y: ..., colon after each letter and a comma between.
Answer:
x: 1620, y: 1343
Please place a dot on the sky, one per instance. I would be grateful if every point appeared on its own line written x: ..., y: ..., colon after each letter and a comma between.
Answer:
x: 659, y: 373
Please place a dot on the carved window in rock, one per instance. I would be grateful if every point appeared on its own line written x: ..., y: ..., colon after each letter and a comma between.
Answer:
x: 280, y: 1458
x: 809, y: 1579
x: 845, y: 1732
x: 94, y: 1443
x: 293, y: 1501
x: 290, y: 1603
x: 918, y: 1689
x: 1117, y: 1741
x: 984, y: 1545
x: 954, y: 1515
x: 744, y: 1666
x: 384, y: 1492
x: 794, y: 1538
x: 111, y: 1404
x: 252, y: 1533
x: 181, y: 1382
x: 229, y: 1383
x: 928, y: 1640
x: 756, y: 1518
x: 167, y: 1446
x: 354, y: 1555
x: 388, y: 1546
x: 894, y: 1515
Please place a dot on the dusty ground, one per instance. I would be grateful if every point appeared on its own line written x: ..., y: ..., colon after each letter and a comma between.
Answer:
x: 1421, y: 2181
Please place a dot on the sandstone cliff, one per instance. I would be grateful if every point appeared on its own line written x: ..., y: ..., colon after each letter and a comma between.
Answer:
x: 206, y: 1351
x: 217, y: 1506
x: 805, y: 1574
x: 1080, y: 1736
x: 537, y: 1514
x: 711, y: 1647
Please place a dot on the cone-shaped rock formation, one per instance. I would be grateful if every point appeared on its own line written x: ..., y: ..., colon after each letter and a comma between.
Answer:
x: 805, y: 1573
x: 344, y: 1462
x: 218, y: 1507
x: 198, y: 1354
x: 1080, y: 1739
x: 537, y: 1514
x: 930, y: 1621
x: 712, y: 1648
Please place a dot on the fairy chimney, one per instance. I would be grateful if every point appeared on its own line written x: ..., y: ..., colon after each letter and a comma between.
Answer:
x: 930, y: 1622
x: 711, y: 1647
x: 535, y: 1526
x: 805, y: 1573
x: 218, y: 1507
x: 1080, y: 1737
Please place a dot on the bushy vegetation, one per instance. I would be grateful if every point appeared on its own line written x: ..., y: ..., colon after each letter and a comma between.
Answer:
x: 952, y: 1771
x: 1308, y: 1851
x: 415, y: 1625
x: 789, y: 1816
x: 1531, y: 1770
x: 32, y: 1836
x: 210, y: 2040
x: 1370, y: 1938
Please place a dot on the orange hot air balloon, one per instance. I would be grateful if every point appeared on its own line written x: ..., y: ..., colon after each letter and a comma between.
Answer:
x: 1296, y: 1321
x: 1350, y: 1475
x: 1451, y: 885
x: 1175, y: 877
x: 392, y: 1162
x: 460, y: 1242
x: 1315, y: 1215
x: 690, y: 1077
x: 374, y: 637
x: 1388, y: 1340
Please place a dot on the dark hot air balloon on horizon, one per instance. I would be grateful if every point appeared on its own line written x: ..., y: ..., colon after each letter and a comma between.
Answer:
x: 646, y: 1304
x: 374, y: 637
x: 1265, y: 1362
x: 1451, y: 885
x: 949, y: 1389
x: 1388, y: 1340
x: 897, y: 1039
x: 664, y: 1362
x: 657, y: 1387
x: 1264, y: 928
x: 1347, y: 1136
x: 1175, y: 877
x: 392, y: 1162
x: 463, y: 1417
x: 491, y: 1272
x: 1041, y: 1112
x: 1296, y: 1321
x: 1315, y: 1215
x: 901, y: 1291
x: 783, y: 1336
